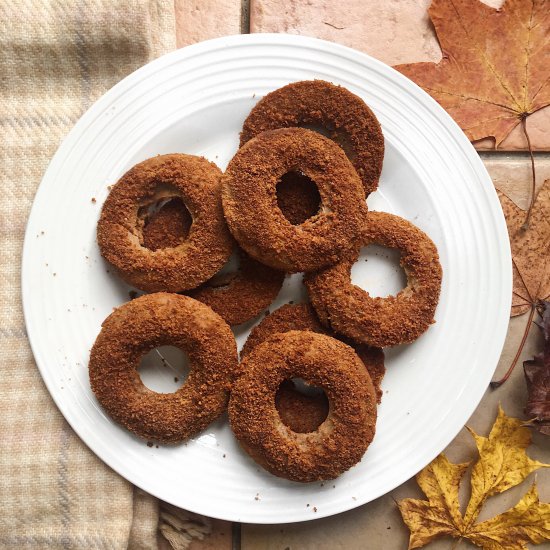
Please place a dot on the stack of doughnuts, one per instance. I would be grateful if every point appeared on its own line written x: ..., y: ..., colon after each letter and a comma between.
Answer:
x: 291, y: 200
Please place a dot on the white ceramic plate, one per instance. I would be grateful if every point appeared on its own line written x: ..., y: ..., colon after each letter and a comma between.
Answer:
x: 194, y: 100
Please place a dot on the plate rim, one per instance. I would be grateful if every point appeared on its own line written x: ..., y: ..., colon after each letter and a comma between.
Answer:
x: 287, y: 40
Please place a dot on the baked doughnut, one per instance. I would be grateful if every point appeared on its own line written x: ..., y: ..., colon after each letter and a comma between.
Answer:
x: 303, y: 317
x: 345, y: 118
x: 339, y: 442
x: 400, y: 319
x: 120, y: 229
x: 237, y: 297
x: 301, y: 412
x: 256, y: 221
x: 240, y: 296
x: 373, y: 359
x: 155, y: 320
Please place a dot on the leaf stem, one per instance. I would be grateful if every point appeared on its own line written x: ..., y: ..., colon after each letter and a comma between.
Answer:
x: 525, y: 225
x: 456, y: 544
x: 497, y: 383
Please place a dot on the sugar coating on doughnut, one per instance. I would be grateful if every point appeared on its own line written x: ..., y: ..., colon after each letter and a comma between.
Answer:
x: 250, y: 200
x: 344, y: 116
x: 339, y: 442
x: 161, y: 319
x: 352, y: 312
x: 244, y: 294
x: 287, y: 317
x: 208, y: 245
x: 303, y: 317
x: 373, y: 359
x: 300, y: 412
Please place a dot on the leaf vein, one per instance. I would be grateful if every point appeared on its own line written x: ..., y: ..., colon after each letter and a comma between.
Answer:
x: 484, y: 57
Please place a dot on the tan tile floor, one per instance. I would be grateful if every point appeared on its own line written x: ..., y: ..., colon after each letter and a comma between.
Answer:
x: 395, y: 31
x: 198, y: 20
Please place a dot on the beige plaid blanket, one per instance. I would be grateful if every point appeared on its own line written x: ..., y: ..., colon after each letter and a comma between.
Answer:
x: 56, y: 58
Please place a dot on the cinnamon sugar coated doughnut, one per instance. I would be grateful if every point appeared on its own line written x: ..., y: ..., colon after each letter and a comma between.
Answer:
x: 208, y: 245
x: 237, y: 297
x: 155, y: 320
x: 373, y: 358
x: 240, y: 296
x: 351, y: 311
x: 257, y: 222
x: 343, y: 115
x: 339, y: 442
x: 303, y: 317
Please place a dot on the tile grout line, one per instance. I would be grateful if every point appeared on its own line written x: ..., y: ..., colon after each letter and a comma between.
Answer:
x: 236, y: 536
x: 513, y: 154
x: 245, y: 16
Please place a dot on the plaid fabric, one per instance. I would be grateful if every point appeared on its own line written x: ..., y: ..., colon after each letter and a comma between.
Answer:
x: 56, y: 58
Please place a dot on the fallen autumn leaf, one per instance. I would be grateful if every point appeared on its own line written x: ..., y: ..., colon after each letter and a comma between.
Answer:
x: 502, y: 464
x: 530, y: 260
x: 537, y: 375
x: 485, y: 88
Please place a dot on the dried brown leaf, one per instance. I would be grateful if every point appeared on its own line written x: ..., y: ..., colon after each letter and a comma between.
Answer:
x: 484, y: 88
x: 537, y: 375
x: 530, y: 250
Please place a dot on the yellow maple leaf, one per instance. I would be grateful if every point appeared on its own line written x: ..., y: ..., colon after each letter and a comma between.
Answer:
x: 502, y: 464
x: 527, y: 521
x: 440, y: 514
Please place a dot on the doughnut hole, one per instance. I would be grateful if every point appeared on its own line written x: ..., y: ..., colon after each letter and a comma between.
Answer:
x: 378, y: 271
x: 297, y: 197
x: 301, y: 406
x: 166, y: 223
x: 164, y: 369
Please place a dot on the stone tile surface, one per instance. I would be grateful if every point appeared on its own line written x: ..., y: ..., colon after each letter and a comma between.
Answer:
x: 219, y: 539
x: 511, y: 173
x: 198, y: 20
x: 397, y: 31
